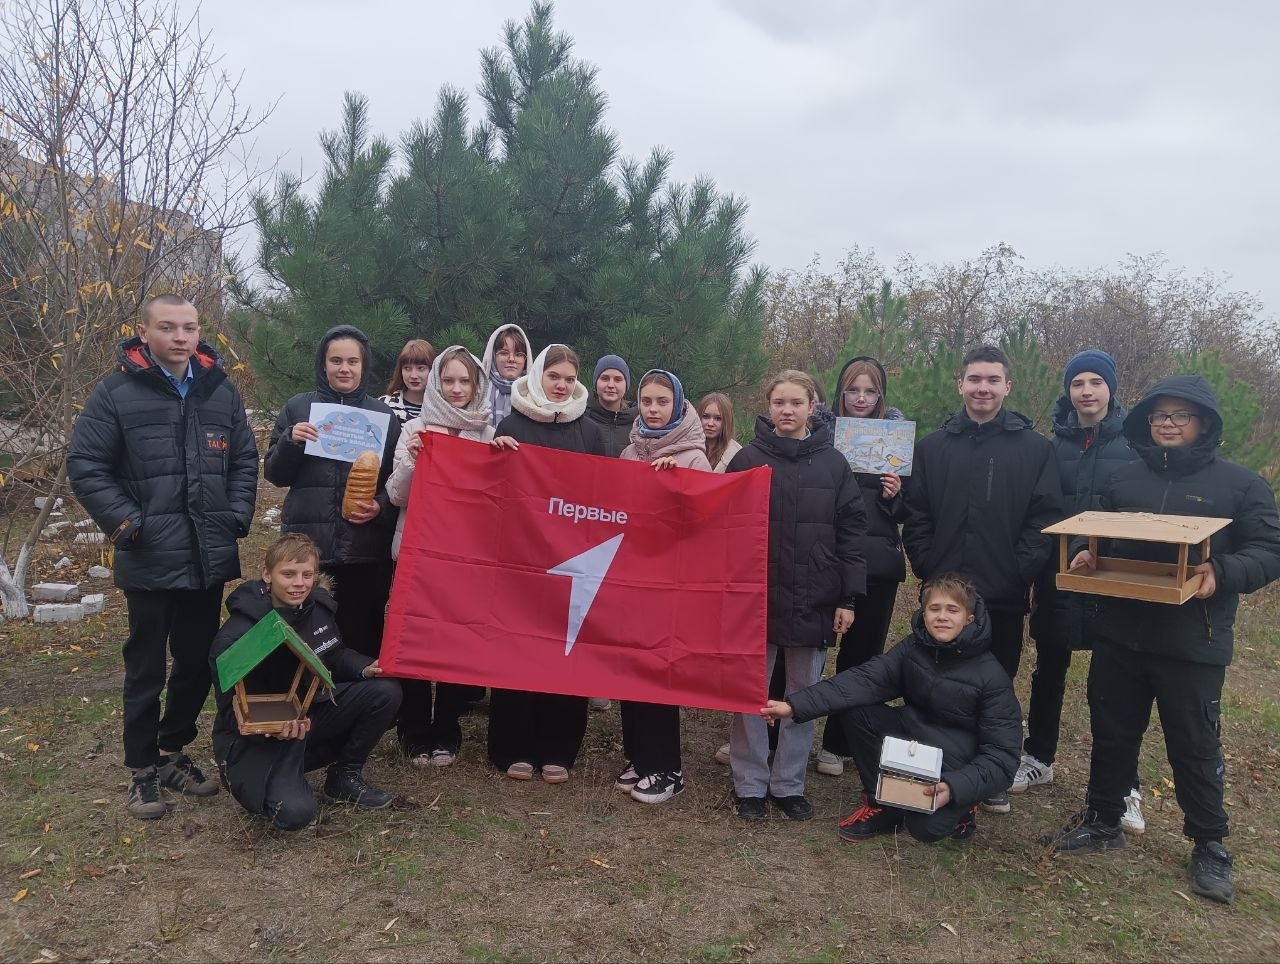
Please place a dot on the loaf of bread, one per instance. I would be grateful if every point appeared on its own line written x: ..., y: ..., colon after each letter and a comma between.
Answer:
x: 362, y: 483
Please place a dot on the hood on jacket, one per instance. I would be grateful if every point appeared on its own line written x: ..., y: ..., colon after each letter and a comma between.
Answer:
x: 436, y: 410
x: 1006, y: 420
x: 134, y: 358
x: 1066, y: 420
x: 323, y: 388
x: 837, y: 401
x: 253, y: 600
x: 793, y: 449
x: 486, y: 360
x: 974, y: 639
x: 1190, y: 388
x: 687, y: 435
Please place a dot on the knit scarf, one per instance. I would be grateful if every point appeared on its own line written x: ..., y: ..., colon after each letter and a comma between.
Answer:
x: 528, y: 398
x: 436, y: 410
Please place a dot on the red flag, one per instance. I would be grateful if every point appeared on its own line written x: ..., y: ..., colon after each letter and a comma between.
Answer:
x: 556, y: 572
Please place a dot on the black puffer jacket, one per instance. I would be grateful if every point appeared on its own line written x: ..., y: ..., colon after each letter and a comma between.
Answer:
x: 254, y: 756
x: 977, y: 499
x: 316, y: 485
x: 615, y: 427
x: 816, y: 526
x: 1059, y: 618
x: 580, y: 435
x: 1190, y: 480
x: 957, y: 697
x: 172, y: 482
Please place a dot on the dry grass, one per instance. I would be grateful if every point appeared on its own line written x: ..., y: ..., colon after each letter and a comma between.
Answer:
x: 476, y: 867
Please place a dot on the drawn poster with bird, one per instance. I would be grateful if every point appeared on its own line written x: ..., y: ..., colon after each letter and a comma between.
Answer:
x: 877, y: 445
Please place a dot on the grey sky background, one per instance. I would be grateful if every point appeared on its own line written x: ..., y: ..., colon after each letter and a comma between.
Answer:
x: 1075, y: 132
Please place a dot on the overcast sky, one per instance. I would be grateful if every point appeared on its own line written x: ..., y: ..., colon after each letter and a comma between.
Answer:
x: 1076, y: 132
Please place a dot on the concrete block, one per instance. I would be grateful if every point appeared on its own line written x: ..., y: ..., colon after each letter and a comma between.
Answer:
x: 83, y: 524
x: 62, y: 563
x: 55, y: 592
x: 99, y: 572
x: 93, y: 603
x: 59, y: 613
x: 90, y: 537
x: 42, y: 500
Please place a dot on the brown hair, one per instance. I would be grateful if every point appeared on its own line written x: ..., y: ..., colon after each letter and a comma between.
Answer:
x: 290, y: 547
x: 468, y: 362
x: 985, y: 353
x: 517, y: 343
x: 561, y: 353
x: 858, y: 367
x: 793, y: 377
x: 416, y: 351
x: 167, y: 299
x: 659, y: 378
x: 953, y: 586
x: 715, y: 450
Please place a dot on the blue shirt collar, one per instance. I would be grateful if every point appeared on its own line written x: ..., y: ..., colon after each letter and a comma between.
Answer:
x: 184, y: 385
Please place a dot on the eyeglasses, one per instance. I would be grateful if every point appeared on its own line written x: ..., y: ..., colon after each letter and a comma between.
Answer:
x: 851, y: 396
x: 1177, y: 418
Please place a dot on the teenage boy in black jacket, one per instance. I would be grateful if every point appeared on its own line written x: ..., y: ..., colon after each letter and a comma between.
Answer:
x: 957, y: 697
x: 267, y: 774
x: 981, y: 489
x: 163, y: 460
x: 1175, y: 656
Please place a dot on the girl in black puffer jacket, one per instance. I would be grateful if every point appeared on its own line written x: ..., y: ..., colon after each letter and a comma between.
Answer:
x: 816, y: 571
x: 355, y: 553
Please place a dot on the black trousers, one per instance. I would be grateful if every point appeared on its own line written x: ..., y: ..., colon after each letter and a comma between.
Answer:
x: 431, y: 721
x: 343, y: 732
x: 361, y: 591
x: 1122, y: 686
x: 1006, y: 638
x: 651, y: 736
x: 1048, y: 689
x: 177, y: 623
x: 862, y: 642
x: 865, y: 728
x: 537, y: 728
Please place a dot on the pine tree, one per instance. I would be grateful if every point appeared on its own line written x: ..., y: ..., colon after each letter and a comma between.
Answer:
x: 882, y: 329
x: 1035, y: 386
x: 1238, y: 402
x: 926, y: 390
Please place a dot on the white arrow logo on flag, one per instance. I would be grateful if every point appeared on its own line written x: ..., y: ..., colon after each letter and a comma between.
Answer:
x: 587, y: 570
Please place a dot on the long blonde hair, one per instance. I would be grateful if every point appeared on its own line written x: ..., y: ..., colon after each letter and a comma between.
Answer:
x: 715, y: 450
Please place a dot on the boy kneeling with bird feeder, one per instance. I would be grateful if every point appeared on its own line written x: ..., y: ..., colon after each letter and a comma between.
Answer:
x: 955, y: 742
x: 291, y: 697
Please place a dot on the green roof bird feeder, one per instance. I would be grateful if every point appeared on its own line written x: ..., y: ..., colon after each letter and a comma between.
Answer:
x: 267, y: 713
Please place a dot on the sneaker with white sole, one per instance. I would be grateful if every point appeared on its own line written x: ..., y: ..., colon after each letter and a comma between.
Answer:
x: 658, y: 787
x: 998, y: 803
x: 1031, y: 773
x: 443, y: 758
x: 1131, y: 820
x: 627, y: 779
x: 828, y: 763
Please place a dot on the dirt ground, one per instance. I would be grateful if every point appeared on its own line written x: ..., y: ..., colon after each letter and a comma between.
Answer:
x: 472, y: 866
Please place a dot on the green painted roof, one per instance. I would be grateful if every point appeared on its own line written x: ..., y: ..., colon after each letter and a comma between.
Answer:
x: 266, y: 636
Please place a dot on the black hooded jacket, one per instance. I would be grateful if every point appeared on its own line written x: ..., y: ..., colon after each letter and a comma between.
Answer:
x: 171, y: 481
x: 977, y: 499
x: 957, y: 696
x: 316, y: 485
x: 252, y: 757
x: 1058, y: 618
x: 1190, y: 480
x: 816, y: 525
x: 615, y: 427
x: 882, y: 545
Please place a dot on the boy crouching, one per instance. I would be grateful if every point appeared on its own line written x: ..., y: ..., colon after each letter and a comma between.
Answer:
x: 267, y: 774
x: 957, y: 699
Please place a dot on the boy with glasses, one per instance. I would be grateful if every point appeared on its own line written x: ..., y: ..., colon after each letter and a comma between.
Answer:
x: 1174, y: 656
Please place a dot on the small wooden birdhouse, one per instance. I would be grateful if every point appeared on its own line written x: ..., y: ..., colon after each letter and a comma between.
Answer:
x: 1162, y: 582
x: 908, y: 773
x: 265, y: 713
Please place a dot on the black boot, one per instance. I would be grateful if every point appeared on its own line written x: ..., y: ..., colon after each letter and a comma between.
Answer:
x: 1211, y: 872
x: 345, y: 784
x: 1086, y: 833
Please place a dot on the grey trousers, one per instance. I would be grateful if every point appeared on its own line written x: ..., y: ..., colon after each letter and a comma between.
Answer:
x: 749, y: 733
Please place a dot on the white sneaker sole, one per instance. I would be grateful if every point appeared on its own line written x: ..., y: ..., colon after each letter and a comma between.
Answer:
x: 655, y: 798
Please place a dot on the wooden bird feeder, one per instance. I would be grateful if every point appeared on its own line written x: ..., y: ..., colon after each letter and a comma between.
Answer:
x: 1162, y: 582
x: 267, y: 713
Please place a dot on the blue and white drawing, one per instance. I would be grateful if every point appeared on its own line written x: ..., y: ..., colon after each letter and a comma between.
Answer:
x: 345, y: 432
x: 877, y: 445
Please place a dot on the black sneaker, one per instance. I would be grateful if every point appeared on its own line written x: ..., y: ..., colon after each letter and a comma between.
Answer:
x: 185, y: 777
x: 966, y: 826
x: 869, y: 821
x: 658, y: 787
x: 1085, y: 833
x: 997, y: 803
x: 751, y: 808
x: 144, y: 795
x: 796, y: 808
x: 345, y: 784
x: 1211, y: 872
